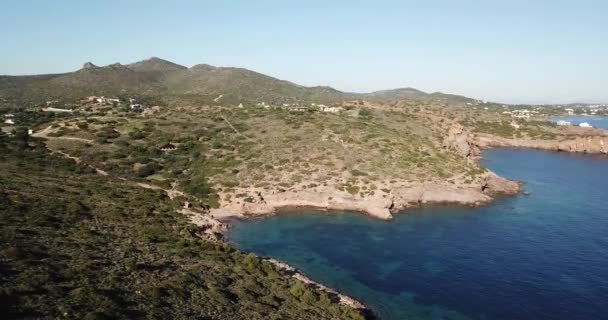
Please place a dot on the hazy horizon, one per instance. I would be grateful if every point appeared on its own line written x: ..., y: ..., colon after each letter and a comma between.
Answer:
x: 515, y: 52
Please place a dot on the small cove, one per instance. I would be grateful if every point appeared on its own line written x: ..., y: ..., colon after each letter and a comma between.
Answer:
x: 542, y: 256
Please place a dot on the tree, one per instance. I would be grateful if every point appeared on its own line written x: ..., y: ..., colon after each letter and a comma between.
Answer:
x: 365, y: 113
x: 22, y: 137
x: 145, y: 171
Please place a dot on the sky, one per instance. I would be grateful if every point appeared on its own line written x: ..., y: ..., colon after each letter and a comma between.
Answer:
x: 533, y: 51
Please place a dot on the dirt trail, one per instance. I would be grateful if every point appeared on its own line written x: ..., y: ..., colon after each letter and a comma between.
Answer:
x: 44, y: 133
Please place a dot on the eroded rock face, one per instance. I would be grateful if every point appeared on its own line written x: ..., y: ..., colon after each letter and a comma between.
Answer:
x: 379, y: 205
x: 590, y: 144
x: 492, y: 184
x: 460, y: 139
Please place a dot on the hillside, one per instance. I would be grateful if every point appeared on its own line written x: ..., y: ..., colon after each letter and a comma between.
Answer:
x: 77, y: 245
x: 242, y: 85
x: 202, y: 83
x: 115, y: 212
x: 156, y: 65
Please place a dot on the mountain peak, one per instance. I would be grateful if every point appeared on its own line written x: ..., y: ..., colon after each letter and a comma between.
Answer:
x: 202, y: 67
x: 155, y: 64
x: 89, y: 65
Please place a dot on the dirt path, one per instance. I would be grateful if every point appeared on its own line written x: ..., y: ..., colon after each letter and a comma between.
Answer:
x: 44, y: 133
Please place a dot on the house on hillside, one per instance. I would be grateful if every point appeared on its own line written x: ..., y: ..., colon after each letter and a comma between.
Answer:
x: 137, y: 106
x: 102, y: 99
x: 9, y: 121
x: 9, y: 116
x: 263, y: 105
x: 330, y: 109
x: 298, y: 108
x: 168, y: 147
x: 521, y: 114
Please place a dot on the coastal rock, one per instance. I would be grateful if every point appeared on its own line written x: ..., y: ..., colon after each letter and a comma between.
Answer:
x: 597, y: 144
x: 492, y: 183
x: 460, y: 139
x: 379, y: 205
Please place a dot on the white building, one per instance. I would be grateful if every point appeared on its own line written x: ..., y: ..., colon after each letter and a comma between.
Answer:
x: 9, y: 121
x: 521, y: 114
x: 263, y: 105
x: 570, y: 111
x: 585, y: 125
x: 563, y: 123
x: 330, y: 109
x: 102, y: 99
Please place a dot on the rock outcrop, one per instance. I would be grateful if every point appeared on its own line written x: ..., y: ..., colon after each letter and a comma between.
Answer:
x: 89, y: 65
x: 379, y: 205
x: 590, y: 144
x: 460, y: 139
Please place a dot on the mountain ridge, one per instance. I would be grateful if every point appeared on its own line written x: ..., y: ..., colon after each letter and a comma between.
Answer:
x: 199, y: 83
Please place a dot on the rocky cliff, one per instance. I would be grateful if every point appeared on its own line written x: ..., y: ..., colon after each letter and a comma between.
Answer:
x: 585, y: 144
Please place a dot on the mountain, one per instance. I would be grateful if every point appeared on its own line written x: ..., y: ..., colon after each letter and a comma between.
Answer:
x: 451, y: 97
x: 156, y: 65
x: 169, y: 81
x: 238, y: 84
x: 110, y: 79
x: 397, y: 93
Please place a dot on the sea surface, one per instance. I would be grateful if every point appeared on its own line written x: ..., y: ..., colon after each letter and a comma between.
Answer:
x: 541, y: 256
x: 595, y: 121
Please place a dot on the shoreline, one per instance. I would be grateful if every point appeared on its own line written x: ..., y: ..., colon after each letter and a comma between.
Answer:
x: 402, y: 196
x: 596, y: 144
x: 334, y: 294
x: 215, y: 222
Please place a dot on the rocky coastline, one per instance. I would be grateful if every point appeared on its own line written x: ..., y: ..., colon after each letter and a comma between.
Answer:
x: 381, y: 205
x: 393, y: 195
x: 592, y: 144
x: 402, y: 195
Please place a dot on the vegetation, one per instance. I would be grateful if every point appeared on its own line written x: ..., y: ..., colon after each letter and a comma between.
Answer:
x: 514, y: 129
x: 77, y: 245
x: 74, y: 244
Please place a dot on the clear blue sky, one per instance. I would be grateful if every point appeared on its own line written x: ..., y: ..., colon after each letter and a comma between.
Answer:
x: 512, y: 51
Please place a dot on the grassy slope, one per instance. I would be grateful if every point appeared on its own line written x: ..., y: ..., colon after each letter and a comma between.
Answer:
x: 161, y: 80
x: 356, y: 151
x: 76, y: 245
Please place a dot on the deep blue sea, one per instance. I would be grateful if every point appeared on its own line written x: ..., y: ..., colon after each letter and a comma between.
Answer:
x: 542, y: 256
x: 595, y: 121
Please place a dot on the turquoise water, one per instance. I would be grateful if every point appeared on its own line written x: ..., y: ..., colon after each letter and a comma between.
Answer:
x: 542, y: 256
x: 595, y: 121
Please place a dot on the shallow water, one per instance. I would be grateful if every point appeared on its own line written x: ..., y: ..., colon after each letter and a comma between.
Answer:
x: 595, y: 121
x: 542, y: 256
